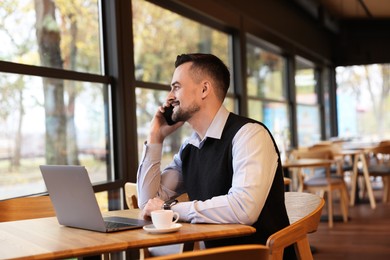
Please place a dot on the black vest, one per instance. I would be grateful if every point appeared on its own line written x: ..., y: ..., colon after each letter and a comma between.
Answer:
x: 208, y: 172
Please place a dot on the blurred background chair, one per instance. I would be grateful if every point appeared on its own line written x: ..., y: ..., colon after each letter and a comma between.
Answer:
x: 323, y: 183
x: 384, y: 143
x: 379, y: 166
x: 131, y: 195
x: 342, y: 164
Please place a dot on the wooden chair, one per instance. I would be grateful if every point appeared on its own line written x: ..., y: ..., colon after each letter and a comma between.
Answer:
x: 26, y: 208
x: 324, y: 184
x: 341, y: 165
x: 287, y: 181
x: 242, y: 252
x: 131, y: 195
x: 381, y: 167
x: 304, y: 212
x: 384, y: 143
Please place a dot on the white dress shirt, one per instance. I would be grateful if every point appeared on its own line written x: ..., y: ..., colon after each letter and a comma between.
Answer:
x: 254, y: 165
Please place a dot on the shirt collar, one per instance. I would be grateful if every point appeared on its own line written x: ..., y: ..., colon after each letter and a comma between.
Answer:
x: 215, y: 129
x: 218, y: 124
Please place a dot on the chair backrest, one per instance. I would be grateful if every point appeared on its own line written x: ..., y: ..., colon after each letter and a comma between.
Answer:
x: 381, y: 149
x: 382, y: 153
x: 333, y: 148
x: 384, y: 143
x: 131, y: 195
x: 317, y: 153
x: 303, y: 206
x: 26, y: 208
x: 243, y: 252
x: 304, y: 212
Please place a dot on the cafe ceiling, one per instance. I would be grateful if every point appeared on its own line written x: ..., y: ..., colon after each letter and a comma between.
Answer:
x: 357, y: 9
x: 333, y: 13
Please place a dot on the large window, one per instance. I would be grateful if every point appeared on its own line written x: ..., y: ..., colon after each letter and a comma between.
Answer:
x: 52, y: 112
x: 56, y: 89
x: 266, y: 87
x: 56, y: 34
x: 308, y: 107
x: 154, y: 63
x: 363, y: 102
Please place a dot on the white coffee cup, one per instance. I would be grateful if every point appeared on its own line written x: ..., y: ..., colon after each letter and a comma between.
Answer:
x: 164, y: 218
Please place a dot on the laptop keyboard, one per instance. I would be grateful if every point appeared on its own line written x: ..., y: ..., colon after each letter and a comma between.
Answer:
x: 114, y: 225
x: 120, y: 222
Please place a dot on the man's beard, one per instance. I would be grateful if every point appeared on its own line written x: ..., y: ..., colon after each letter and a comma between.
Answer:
x: 184, y: 115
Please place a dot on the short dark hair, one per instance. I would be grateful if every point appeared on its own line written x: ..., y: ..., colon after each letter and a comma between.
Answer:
x: 209, y: 64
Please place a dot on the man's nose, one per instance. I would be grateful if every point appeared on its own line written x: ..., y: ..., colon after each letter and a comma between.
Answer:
x: 170, y: 97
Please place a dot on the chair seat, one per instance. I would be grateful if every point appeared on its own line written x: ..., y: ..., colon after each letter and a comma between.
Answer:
x: 344, y: 168
x: 379, y: 169
x: 321, y: 173
x: 318, y: 181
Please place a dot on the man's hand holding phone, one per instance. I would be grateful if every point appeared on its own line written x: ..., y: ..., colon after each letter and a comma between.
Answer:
x: 159, y: 129
x: 168, y: 111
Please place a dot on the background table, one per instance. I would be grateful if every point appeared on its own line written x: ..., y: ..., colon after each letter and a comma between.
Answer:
x: 305, y: 163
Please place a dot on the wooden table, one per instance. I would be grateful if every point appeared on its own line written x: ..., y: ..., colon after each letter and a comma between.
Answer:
x: 44, y: 238
x: 307, y: 163
x: 359, y: 155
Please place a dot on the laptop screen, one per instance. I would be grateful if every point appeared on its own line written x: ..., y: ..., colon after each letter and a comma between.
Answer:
x: 73, y: 198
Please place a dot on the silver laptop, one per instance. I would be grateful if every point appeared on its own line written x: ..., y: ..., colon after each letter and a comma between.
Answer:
x: 74, y: 200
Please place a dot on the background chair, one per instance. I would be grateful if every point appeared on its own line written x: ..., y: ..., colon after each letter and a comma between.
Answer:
x: 342, y: 163
x: 131, y: 195
x: 304, y: 212
x: 380, y: 167
x: 26, y: 208
x: 324, y: 184
x: 384, y: 143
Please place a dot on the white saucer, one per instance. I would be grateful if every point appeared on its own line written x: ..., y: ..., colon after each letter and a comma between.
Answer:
x: 151, y: 229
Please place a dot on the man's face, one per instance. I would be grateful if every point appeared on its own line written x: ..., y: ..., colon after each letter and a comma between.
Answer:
x: 185, y: 93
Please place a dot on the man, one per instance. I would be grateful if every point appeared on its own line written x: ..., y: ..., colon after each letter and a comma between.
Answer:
x: 230, y: 167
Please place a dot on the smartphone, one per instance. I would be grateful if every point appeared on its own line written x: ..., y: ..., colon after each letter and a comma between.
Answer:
x: 168, y: 115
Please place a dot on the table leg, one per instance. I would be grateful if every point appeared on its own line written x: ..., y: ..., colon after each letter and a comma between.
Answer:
x: 367, y: 180
x: 354, y: 180
x: 386, y: 190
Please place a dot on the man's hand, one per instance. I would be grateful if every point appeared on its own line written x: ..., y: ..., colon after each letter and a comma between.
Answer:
x: 159, y: 128
x: 153, y: 204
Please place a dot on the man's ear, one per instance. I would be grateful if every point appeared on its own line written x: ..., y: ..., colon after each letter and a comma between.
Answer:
x: 206, y: 88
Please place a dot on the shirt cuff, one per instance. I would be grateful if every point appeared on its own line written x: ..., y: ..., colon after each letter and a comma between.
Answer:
x: 152, y: 152
x: 183, y: 208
